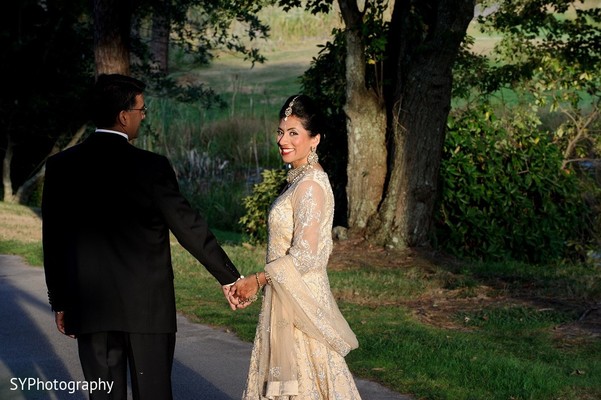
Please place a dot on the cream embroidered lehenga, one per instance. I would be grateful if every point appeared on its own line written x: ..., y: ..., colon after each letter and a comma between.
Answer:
x: 301, y: 337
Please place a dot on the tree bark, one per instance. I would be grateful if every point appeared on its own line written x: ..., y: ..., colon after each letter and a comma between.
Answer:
x: 419, y: 103
x: 6, y: 179
x: 366, y: 127
x: 159, y: 42
x: 29, y: 186
x: 112, y: 24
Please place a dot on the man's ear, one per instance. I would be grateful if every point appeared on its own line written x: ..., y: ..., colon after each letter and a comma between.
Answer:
x: 122, y: 118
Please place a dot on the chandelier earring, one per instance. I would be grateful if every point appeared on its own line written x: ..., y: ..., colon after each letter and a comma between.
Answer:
x: 312, y: 158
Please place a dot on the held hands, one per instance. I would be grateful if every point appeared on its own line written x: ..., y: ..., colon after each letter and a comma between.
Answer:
x: 246, y: 290
x: 233, y: 301
x: 238, y: 294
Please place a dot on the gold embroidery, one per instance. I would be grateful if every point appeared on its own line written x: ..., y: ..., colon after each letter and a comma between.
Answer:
x: 299, y: 246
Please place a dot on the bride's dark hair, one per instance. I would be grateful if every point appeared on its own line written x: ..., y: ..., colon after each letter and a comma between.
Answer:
x: 304, y: 108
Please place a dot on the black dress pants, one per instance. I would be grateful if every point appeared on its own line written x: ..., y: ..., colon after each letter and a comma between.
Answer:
x: 105, y: 356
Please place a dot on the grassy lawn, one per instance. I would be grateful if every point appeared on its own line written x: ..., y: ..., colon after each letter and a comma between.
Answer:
x: 436, y: 328
x: 443, y: 331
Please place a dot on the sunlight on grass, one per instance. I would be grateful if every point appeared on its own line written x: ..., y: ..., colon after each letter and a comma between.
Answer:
x: 460, y: 365
x: 495, y: 351
x: 500, y: 353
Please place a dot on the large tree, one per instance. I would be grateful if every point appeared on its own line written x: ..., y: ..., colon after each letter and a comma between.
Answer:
x: 551, y: 47
x: 112, y: 25
x: 396, y: 121
x: 53, y: 49
x: 45, y: 65
x: 423, y: 41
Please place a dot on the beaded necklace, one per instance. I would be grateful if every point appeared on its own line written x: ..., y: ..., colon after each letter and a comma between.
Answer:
x: 295, y: 173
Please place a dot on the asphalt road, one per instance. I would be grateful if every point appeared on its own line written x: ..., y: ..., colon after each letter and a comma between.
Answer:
x: 37, y: 362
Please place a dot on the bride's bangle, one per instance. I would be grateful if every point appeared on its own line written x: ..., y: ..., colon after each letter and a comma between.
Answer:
x: 267, y: 278
x: 258, y: 281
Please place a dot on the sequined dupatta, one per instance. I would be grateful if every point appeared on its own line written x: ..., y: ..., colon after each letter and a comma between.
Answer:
x: 291, y: 306
x: 299, y: 298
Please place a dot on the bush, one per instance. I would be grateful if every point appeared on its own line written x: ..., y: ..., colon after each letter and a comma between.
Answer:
x: 504, y: 194
x: 218, y: 201
x: 254, y: 222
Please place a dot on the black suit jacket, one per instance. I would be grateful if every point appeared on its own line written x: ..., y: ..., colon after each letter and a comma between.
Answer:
x: 107, y: 210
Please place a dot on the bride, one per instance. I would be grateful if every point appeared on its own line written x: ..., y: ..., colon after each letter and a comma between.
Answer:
x: 301, y: 337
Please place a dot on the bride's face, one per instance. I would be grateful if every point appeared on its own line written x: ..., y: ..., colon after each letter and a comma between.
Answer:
x: 295, y: 142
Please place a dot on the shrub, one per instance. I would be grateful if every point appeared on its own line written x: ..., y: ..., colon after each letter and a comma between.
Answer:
x: 254, y: 222
x: 504, y: 194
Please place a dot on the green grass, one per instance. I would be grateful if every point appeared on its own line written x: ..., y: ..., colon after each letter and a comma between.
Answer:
x: 258, y: 91
x: 31, y: 252
x: 199, y: 296
x: 503, y: 349
x: 495, y: 353
x: 443, y: 364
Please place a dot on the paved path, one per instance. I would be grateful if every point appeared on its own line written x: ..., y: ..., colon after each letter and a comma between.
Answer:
x: 35, y: 358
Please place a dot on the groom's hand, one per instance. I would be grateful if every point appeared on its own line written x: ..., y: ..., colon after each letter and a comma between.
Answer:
x: 244, y: 290
x: 233, y: 301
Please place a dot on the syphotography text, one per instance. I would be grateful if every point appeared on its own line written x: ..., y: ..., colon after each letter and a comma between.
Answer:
x: 28, y: 384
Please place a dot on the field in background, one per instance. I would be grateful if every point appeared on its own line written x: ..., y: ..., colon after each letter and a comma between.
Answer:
x: 259, y: 90
x: 219, y: 153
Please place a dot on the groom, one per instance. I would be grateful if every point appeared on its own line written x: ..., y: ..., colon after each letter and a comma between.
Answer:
x: 108, y: 209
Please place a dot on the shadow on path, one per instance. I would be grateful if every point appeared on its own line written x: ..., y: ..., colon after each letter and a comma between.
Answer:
x: 29, y: 360
x: 39, y: 363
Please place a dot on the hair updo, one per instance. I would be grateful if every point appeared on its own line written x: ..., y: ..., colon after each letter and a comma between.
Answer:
x: 304, y: 108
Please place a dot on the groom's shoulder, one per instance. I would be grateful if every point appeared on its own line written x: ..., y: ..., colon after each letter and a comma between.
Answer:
x: 149, y: 156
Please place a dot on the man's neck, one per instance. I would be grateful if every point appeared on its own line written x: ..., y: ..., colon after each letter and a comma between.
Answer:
x: 112, y: 131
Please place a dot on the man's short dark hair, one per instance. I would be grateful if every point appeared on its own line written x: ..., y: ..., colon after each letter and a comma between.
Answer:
x: 112, y: 94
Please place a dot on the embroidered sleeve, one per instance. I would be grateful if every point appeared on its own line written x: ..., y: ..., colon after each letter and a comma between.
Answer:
x: 308, y: 203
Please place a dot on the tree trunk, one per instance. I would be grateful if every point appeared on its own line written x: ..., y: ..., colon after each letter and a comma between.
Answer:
x: 6, y: 179
x: 419, y: 105
x: 159, y: 42
x: 366, y: 127
x: 24, y: 192
x: 112, y: 24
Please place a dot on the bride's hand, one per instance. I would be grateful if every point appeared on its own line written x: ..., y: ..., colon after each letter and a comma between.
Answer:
x: 244, y: 290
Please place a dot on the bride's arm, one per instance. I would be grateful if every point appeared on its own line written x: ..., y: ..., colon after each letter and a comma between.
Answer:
x: 308, y: 203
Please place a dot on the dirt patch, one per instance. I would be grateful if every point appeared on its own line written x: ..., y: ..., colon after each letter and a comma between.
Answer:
x: 440, y: 306
x: 24, y: 226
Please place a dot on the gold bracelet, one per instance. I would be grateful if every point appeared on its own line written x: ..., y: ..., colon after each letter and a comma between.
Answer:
x: 258, y: 281
x: 268, y: 278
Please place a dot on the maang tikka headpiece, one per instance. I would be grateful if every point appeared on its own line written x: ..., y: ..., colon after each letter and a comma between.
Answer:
x: 288, y: 111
